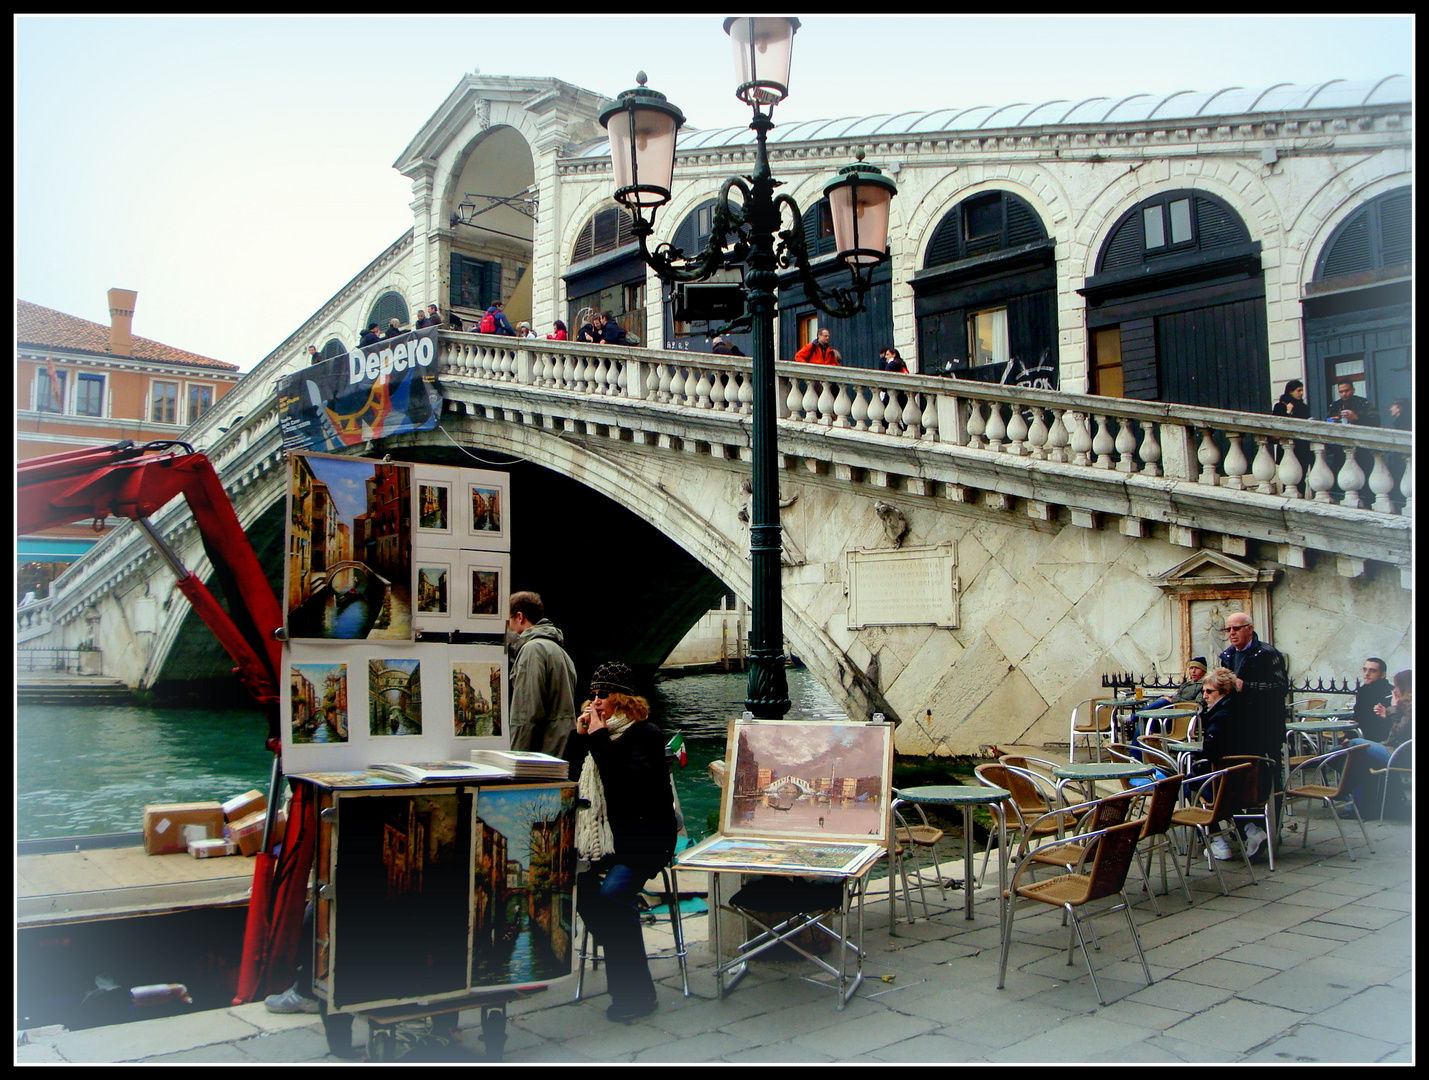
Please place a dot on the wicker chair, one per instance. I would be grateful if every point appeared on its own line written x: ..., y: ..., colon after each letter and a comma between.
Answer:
x: 1219, y: 791
x: 1404, y: 750
x: 1111, y: 851
x: 1028, y: 810
x: 1344, y: 759
x: 1155, y: 834
x: 1095, y: 727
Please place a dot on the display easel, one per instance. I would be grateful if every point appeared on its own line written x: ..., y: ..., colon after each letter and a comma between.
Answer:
x: 806, y: 807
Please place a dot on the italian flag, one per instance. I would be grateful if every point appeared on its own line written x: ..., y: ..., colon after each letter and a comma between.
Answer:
x: 676, y: 748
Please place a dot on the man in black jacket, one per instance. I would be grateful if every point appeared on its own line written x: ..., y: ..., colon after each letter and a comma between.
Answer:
x: 1374, y: 690
x: 1262, y: 688
x: 369, y: 336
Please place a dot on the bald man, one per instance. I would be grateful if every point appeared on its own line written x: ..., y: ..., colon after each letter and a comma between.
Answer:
x: 1262, y: 689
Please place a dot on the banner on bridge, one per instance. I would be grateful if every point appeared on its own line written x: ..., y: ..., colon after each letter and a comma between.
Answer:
x: 386, y: 389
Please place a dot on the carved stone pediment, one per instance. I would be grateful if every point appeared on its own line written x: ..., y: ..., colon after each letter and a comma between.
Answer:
x: 1211, y: 569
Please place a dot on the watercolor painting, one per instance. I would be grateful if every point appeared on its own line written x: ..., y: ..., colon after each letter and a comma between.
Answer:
x: 747, y: 854
x: 476, y: 699
x: 319, y: 700
x: 394, y: 697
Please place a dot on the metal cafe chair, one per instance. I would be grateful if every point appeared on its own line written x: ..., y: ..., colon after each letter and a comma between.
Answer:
x: 1095, y: 727
x: 1406, y: 749
x: 1345, y: 760
x: 1111, y: 852
x: 1217, y: 792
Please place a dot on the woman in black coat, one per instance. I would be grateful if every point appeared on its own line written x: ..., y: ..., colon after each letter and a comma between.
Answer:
x: 625, y: 829
x: 1292, y: 403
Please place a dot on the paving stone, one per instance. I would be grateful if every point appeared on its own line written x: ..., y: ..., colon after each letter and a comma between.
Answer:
x: 1226, y: 973
x: 1182, y: 1050
x: 1363, y: 917
x: 1073, y: 1040
x: 37, y: 1054
x: 1308, y: 988
x: 296, y: 1044
x: 780, y: 1025
x: 1150, y: 1018
x: 1235, y: 1025
x: 931, y: 1048
x: 703, y: 1048
x: 149, y: 1038
x: 1379, y: 1012
x: 779, y: 1054
x: 1186, y: 997
x: 1011, y: 1023
x: 217, y: 1054
x: 1315, y: 1043
x: 865, y: 1034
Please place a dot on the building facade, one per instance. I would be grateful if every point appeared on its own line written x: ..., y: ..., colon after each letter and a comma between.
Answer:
x: 80, y: 384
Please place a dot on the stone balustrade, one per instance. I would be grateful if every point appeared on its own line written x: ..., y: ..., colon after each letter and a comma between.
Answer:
x: 1355, y: 467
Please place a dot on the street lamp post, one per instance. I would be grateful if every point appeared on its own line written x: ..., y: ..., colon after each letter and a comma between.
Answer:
x: 643, y: 126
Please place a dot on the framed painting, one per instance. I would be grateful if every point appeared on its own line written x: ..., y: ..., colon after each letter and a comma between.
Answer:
x: 348, y: 575
x: 317, y: 697
x: 479, y: 694
x: 435, y: 509
x: 485, y: 591
x: 812, y: 780
x: 756, y: 855
x: 394, y: 696
x: 436, y: 587
x: 486, y: 510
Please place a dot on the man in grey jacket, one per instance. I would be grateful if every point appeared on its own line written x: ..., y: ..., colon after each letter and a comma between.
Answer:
x: 543, y: 679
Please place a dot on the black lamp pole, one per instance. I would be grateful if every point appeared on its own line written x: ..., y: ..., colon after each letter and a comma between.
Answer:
x: 642, y: 127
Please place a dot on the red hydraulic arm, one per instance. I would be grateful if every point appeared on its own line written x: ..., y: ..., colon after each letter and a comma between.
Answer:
x: 129, y: 481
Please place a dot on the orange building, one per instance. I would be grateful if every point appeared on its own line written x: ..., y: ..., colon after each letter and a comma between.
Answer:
x: 79, y: 384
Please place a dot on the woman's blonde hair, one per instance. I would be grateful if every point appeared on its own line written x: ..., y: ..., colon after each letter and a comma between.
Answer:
x: 1221, y: 678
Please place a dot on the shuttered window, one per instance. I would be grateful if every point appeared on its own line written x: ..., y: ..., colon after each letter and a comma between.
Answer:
x: 1172, y: 223
x: 333, y: 349
x: 608, y: 229
x: 981, y: 224
x: 1375, y: 236
x: 390, y: 305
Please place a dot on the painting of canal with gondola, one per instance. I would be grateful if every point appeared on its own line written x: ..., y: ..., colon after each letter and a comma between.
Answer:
x: 319, y: 703
x: 476, y: 699
x: 523, y: 884
x: 815, y: 780
x: 349, y: 567
x: 394, y: 697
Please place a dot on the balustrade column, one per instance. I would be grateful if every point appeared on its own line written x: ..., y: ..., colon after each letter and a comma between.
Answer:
x: 1290, y: 473
x: 1125, y: 446
x: 1263, y: 468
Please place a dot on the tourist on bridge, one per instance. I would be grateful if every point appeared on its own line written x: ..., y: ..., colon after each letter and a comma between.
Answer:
x: 611, y: 332
x: 1353, y: 409
x: 1401, y: 416
x: 590, y: 330
x: 891, y: 360
x: 543, y: 679
x: 369, y: 336
x: 1291, y: 404
x: 558, y: 333
x: 523, y: 329
x: 626, y: 831
x: 394, y: 328
x: 496, y: 322
x: 725, y: 347
x: 314, y: 357
x: 819, y: 351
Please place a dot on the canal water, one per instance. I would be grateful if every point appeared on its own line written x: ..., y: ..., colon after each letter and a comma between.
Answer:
x: 84, y: 769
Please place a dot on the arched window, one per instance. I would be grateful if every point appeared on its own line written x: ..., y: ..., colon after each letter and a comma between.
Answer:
x: 1176, y: 222
x: 694, y: 312
x: 1176, y: 309
x: 1375, y: 236
x: 607, y: 229
x: 334, y: 348
x: 981, y: 224
x: 390, y: 305
x: 986, y: 297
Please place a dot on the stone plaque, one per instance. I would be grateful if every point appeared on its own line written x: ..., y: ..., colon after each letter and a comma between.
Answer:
x: 911, y: 586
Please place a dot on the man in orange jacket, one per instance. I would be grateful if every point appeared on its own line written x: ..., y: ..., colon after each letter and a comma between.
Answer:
x: 818, y: 352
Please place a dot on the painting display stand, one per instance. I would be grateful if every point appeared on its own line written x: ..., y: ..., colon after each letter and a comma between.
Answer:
x: 805, y: 814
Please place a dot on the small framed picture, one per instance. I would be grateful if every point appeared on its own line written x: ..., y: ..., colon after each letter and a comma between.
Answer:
x: 434, y: 507
x: 394, y: 696
x: 486, y: 510
x: 435, y: 590
x: 485, y: 592
x: 318, y: 703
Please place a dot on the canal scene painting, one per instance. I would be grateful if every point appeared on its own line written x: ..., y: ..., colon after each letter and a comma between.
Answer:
x: 819, y: 780
x: 487, y: 504
x: 432, y: 589
x: 349, y: 566
x: 476, y: 699
x: 433, y: 507
x: 319, y: 703
x: 753, y: 855
x: 394, y: 697
x: 523, y: 884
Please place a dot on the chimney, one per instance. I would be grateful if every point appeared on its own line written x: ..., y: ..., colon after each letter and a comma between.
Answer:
x: 121, y: 321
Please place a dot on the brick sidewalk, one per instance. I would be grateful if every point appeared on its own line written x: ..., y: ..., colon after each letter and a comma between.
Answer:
x: 1314, y: 964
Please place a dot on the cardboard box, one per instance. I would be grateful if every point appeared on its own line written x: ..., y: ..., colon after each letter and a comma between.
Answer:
x: 208, y: 849
x: 247, y: 832
x: 240, y: 806
x: 169, y: 827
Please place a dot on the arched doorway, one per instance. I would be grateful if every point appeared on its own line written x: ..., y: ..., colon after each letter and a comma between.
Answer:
x: 1176, y: 309
x: 491, y: 206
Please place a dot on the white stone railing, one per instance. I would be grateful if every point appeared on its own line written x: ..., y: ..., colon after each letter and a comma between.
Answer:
x: 32, y: 620
x: 1356, y: 467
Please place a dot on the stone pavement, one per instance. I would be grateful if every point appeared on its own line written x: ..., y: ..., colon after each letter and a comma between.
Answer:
x: 1314, y: 964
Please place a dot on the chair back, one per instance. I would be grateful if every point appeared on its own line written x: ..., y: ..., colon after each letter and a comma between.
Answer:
x: 1114, y: 850
x: 1164, y: 796
x: 1407, y: 749
x: 1159, y: 759
x: 1027, y: 764
x: 1113, y: 810
x: 1093, y: 717
x: 1179, y: 729
x: 1025, y: 793
x: 1225, y: 785
x: 1247, y: 791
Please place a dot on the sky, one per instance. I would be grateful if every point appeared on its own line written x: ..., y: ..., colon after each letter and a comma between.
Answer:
x: 237, y: 172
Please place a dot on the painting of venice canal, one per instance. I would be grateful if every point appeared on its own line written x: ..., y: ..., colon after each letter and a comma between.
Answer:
x: 524, y: 884
x: 817, y: 780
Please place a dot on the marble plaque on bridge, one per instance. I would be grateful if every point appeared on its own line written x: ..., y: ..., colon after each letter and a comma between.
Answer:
x: 911, y: 586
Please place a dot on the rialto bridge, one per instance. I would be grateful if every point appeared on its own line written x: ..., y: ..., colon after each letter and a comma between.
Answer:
x: 979, y: 552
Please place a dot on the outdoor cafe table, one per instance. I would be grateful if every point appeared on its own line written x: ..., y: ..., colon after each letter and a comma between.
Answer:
x: 967, y: 796
x: 1323, y: 714
x: 1118, y: 706
x: 1159, y: 714
x: 1318, y: 730
x: 1184, y: 751
x: 1088, y: 775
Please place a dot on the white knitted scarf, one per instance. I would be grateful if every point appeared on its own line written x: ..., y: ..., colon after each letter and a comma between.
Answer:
x: 594, y: 840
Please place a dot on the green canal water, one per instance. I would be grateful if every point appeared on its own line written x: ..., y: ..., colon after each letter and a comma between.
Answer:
x: 84, y: 769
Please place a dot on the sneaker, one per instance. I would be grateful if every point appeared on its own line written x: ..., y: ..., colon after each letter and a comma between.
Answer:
x: 1254, y: 839
x: 290, y: 1001
x: 1347, y: 811
x: 1220, y: 849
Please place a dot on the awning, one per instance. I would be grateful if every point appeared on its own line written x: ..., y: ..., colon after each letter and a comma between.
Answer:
x: 40, y: 549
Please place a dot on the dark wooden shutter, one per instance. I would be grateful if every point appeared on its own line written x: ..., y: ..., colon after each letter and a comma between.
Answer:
x: 1396, y: 237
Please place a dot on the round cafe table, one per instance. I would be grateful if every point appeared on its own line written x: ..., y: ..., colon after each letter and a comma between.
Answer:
x: 967, y: 796
x: 1323, y: 714
x: 1118, y: 706
x: 1159, y: 714
x: 1088, y: 775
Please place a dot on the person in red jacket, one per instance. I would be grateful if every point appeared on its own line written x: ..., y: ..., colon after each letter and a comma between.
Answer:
x: 819, y: 352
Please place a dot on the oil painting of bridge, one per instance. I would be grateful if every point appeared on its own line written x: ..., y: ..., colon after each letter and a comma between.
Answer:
x: 349, y: 549
x: 814, y: 780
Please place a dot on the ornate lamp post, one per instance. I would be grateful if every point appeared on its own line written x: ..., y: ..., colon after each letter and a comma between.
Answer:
x: 642, y: 126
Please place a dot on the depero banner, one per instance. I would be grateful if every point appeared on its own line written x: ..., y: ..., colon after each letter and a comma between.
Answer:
x: 385, y: 389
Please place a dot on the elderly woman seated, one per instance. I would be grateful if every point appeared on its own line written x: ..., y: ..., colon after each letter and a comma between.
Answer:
x: 1223, y: 735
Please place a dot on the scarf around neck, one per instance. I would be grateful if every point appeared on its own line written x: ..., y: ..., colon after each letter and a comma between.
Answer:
x: 594, y: 840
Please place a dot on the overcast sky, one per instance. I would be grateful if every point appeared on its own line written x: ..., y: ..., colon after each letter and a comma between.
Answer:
x: 238, y: 171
